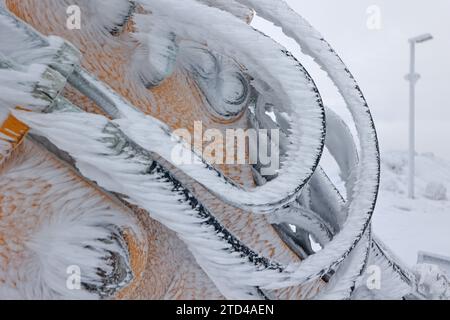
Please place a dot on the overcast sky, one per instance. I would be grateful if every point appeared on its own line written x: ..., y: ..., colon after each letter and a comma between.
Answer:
x: 379, y: 59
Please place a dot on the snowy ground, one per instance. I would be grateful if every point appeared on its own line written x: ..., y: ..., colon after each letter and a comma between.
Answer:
x: 409, y: 226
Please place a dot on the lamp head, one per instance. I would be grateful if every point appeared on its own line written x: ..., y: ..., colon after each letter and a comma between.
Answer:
x: 422, y: 38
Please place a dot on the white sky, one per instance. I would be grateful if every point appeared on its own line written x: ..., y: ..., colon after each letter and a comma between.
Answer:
x: 379, y: 59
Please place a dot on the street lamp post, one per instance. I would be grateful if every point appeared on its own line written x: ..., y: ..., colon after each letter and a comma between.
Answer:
x: 413, y: 77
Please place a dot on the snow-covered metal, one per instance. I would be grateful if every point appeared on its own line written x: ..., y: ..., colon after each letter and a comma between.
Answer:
x: 123, y: 151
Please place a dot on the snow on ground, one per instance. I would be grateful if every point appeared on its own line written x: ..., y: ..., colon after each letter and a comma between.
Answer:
x: 408, y: 226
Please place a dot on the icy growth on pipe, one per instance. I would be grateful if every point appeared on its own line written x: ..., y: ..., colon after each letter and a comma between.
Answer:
x: 112, y: 168
x: 276, y: 75
x: 19, y: 87
x: 223, y: 82
x: 157, y: 53
x: 367, y: 175
x: 71, y: 237
x: 240, y: 11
